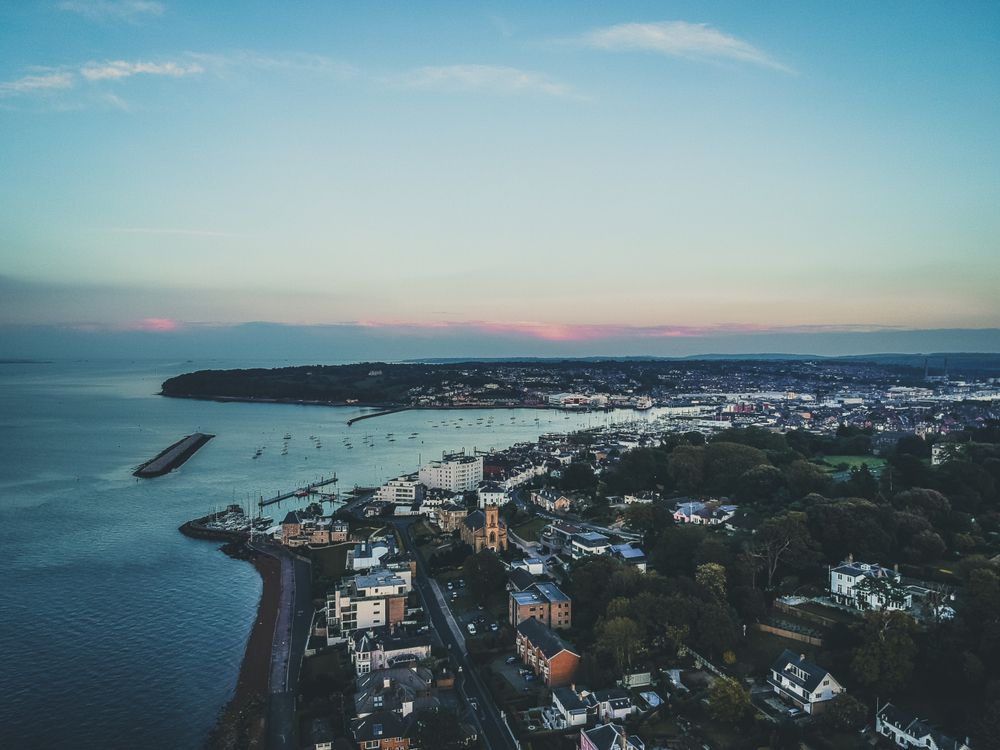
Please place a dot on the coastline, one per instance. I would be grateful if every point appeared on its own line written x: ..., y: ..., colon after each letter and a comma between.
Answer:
x: 242, y: 722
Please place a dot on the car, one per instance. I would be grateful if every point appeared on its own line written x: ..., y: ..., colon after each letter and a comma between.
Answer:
x: 481, y: 607
x: 529, y: 677
x: 471, y: 627
x: 450, y: 585
x: 510, y: 660
x: 522, y: 671
x: 481, y: 619
x: 494, y: 627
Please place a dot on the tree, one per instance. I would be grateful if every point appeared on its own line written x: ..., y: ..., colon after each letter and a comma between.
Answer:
x: 484, y: 574
x: 784, y: 539
x: 804, y: 477
x: 884, y: 660
x: 726, y: 462
x: 712, y: 577
x: 760, y: 484
x: 439, y: 728
x: 728, y: 701
x: 622, y: 637
x: 844, y: 713
x: 686, y: 467
x: 886, y: 592
x: 578, y: 476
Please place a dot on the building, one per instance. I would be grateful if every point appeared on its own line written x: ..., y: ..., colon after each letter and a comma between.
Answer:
x: 491, y: 493
x: 609, y: 737
x: 706, y: 514
x: 456, y: 472
x: 368, y: 554
x: 534, y: 565
x: 609, y: 705
x: 367, y: 601
x: 383, y: 730
x: 450, y: 517
x: 300, y: 528
x: 543, y: 602
x: 551, y: 501
x: 802, y: 683
x: 558, y: 535
x: 629, y: 554
x: 589, y: 543
x: 906, y: 730
x: 402, y: 691
x: 550, y: 657
x: 382, y: 648
x: 868, y: 586
x: 405, y: 490
x: 570, y: 707
x: 483, y: 529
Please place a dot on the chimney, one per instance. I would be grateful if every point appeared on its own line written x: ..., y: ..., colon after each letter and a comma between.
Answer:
x: 802, y: 657
x: 386, y: 683
x: 850, y: 557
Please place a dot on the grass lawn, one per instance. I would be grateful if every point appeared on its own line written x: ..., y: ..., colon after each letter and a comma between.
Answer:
x: 530, y: 530
x: 874, y: 464
x: 759, y: 650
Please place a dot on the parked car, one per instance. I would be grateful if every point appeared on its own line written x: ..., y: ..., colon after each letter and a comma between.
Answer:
x: 494, y: 627
x: 529, y: 677
x: 510, y: 660
x: 471, y: 628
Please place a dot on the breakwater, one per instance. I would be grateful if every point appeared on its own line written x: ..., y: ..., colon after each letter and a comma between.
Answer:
x: 170, y: 458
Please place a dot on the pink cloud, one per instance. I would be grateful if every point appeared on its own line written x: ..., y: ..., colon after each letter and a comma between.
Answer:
x: 157, y: 325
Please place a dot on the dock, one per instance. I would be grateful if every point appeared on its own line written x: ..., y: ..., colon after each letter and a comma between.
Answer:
x: 170, y: 458
x: 309, y: 489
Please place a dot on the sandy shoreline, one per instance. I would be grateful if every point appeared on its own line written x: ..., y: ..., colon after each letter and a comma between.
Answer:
x: 241, y: 722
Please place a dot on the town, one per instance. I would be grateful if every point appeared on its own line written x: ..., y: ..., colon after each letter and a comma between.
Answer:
x: 748, y: 569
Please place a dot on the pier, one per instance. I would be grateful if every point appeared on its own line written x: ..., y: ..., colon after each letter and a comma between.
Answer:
x: 374, y: 414
x: 309, y: 489
x: 170, y: 458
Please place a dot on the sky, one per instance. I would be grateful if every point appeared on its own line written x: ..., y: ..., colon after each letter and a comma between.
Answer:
x: 596, y: 178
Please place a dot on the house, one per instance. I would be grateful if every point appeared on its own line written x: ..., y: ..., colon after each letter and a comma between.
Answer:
x: 383, y: 730
x: 543, y: 602
x: 300, y: 528
x: 687, y: 512
x: 368, y: 554
x: 534, y: 565
x: 644, y: 498
x: 868, y: 586
x: 367, y: 601
x: 558, y: 535
x: 449, y: 517
x: 551, y: 501
x: 704, y: 514
x: 401, y: 690
x: 629, y: 554
x: 609, y: 737
x: 373, y: 649
x: 802, y: 683
x: 319, y: 735
x: 589, y: 543
x: 546, y: 654
x: 491, y: 493
x: 570, y: 707
x: 906, y: 730
x: 483, y: 529
x: 609, y: 705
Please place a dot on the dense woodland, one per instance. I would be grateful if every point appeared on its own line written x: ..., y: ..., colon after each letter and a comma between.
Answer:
x: 940, y: 523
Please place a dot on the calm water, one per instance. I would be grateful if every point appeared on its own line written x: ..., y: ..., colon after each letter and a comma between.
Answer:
x: 115, y: 630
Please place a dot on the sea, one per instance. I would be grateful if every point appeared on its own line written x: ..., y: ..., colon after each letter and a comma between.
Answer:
x: 115, y: 630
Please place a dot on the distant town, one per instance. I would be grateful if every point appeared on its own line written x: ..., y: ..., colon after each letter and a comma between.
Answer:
x: 783, y: 554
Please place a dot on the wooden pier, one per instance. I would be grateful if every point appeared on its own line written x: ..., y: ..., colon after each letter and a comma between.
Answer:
x: 309, y: 489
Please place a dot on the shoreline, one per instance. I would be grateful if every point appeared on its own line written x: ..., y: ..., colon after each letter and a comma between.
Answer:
x: 242, y: 722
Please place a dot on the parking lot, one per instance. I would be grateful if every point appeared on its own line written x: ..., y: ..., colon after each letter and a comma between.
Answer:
x: 512, y: 674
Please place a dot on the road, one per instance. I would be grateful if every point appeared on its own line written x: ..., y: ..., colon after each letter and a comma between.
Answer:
x: 291, y: 633
x: 492, y: 729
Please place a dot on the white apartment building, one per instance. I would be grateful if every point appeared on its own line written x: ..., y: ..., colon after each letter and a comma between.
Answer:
x: 456, y: 472
x: 404, y: 490
x: 367, y: 601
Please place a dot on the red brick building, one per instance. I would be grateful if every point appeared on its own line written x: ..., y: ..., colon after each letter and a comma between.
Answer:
x: 550, y: 657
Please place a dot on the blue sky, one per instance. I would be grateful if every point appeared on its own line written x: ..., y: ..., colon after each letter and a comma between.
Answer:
x: 553, y: 171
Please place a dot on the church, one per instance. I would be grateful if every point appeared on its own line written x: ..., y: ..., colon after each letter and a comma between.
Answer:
x: 483, y: 529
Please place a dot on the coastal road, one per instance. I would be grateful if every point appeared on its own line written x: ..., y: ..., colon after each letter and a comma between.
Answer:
x: 291, y: 633
x: 492, y: 728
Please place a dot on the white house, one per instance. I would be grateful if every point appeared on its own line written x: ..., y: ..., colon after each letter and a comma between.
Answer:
x: 802, y: 683
x: 491, y: 493
x: 589, y: 543
x: 868, y: 586
x: 570, y: 707
x: 367, y: 555
x: 906, y: 730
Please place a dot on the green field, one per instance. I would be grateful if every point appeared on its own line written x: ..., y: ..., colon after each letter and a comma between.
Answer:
x: 530, y: 530
x: 834, y: 462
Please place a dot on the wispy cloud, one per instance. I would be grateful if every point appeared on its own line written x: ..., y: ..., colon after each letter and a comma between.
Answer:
x: 37, y: 84
x: 697, y: 41
x: 491, y: 78
x: 117, y: 10
x: 117, y: 69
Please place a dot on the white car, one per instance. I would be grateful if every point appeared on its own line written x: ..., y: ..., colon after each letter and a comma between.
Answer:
x: 471, y: 627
